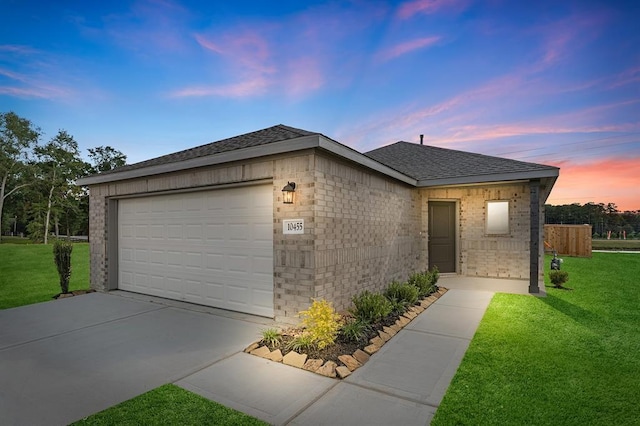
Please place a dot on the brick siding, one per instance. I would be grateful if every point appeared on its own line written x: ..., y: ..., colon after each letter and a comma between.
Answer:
x: 362, y: 229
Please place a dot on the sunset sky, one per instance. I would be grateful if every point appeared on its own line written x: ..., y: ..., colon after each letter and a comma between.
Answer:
x: 553, y: 82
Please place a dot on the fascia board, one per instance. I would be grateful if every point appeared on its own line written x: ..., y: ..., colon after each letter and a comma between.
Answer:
x: 499, y: 177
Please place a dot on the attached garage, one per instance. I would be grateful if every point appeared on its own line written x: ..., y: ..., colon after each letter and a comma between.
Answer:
x: 211, y: 247
x: 209, y: 225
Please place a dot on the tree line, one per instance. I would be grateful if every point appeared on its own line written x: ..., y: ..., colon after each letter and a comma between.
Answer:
x: 38, y: 195
x: 605, y: 219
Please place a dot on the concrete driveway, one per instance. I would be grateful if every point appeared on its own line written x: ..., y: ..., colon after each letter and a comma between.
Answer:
x: 63, y: 360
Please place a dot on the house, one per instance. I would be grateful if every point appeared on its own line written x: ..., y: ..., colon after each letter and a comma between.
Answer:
x: 210, y: 225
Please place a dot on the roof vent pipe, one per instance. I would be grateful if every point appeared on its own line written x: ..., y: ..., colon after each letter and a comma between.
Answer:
x: 421, y: 139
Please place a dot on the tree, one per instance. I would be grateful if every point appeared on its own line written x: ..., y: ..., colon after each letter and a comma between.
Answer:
x: 60, y: 165
x: 18, y: 137
x: 105, y: 158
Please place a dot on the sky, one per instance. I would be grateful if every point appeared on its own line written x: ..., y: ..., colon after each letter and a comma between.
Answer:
x: 551, y: 82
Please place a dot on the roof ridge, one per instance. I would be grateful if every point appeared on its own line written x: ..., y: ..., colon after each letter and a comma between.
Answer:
x: 276, y: 133
x: 301, y: 132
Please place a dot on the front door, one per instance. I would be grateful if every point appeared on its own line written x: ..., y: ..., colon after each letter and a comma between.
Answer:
x: 442, y: 235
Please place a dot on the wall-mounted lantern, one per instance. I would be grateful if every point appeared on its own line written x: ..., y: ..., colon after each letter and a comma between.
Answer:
x: 287, y: 192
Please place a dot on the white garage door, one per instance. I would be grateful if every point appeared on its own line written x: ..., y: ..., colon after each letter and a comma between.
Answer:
x: 214, y: 248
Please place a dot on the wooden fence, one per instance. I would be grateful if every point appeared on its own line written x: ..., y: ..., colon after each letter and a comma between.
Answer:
x: 568, y: 240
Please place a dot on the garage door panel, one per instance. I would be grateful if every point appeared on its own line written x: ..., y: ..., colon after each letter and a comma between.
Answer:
x: 213, y: 247
x: 158, y: 258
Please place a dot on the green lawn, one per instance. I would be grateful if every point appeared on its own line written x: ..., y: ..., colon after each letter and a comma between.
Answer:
x: 572, y: 358
x: 615, y: 244
x: 169, y: 405
x: 28, y: 273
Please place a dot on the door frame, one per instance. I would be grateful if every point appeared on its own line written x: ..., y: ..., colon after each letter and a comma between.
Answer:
x: 456, y: 203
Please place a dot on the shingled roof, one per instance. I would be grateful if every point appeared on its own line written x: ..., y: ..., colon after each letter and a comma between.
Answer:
x: 417, y: 165
x: 431, y: 165
x: 269, y: 135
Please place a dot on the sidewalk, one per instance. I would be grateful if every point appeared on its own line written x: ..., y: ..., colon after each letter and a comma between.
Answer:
x: 401, y: 384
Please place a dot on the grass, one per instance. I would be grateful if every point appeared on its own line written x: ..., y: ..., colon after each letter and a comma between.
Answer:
x: 15, y: 240
x: 568, y: 359
x: 28, y: 273
x: 169, y: 405
x: 615, y: 244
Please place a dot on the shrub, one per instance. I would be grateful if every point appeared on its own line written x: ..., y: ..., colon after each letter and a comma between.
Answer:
x: 355, y: 330
x: 62, y: 257
x: 425, y: 282
x: 402, y: 294
x: 321, y: 322
x: 398, y: 307
x: 558, y: 278
x: 434, y: 274
x: 370, y: 307
x: 301, y: 343
x: 421, y: 281
x: 271, y: 336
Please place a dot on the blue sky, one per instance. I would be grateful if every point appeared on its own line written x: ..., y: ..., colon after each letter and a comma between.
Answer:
x: 545, y: 81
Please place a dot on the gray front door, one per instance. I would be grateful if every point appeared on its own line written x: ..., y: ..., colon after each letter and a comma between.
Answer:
x: 442, y: 235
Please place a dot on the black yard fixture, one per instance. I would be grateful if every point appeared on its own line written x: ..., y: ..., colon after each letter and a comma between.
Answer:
x: 555, y: 262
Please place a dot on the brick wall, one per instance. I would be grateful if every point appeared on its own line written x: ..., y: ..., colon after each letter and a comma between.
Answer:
x: 293, y: 259
x: 481, y: 255
x: 366, y: 230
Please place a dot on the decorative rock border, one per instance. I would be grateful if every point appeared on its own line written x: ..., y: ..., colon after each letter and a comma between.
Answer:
x: 350, y: 362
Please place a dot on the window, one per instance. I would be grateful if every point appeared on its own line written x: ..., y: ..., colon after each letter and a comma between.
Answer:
x: 497, y: 217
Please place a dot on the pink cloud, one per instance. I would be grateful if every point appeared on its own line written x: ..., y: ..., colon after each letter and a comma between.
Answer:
x: 26, y: 86
x: 611, y: 179
x: 561, y: 39
x: 247, y: 56
x: 629, y: 76
x: 304, y: 76
x: 246, y: 50
x: 428, y: 7
x: 241, y: 89
x: 407, y: 47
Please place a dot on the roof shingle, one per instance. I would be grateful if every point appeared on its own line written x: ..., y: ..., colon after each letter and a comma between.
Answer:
x: 272, y: 134
x: 424, y: 162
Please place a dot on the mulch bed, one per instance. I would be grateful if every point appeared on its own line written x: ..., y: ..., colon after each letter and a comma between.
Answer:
x: 342, y: 346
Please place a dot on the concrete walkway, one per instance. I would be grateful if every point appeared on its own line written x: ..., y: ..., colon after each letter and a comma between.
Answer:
x: 63, y: 360
x: 401, y: 384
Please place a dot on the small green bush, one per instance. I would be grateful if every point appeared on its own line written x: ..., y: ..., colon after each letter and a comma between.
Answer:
x: 302, y: 343
x: 370, y: 307
x: 425, y: 282
x: 558, y: 278
x: 321, y: 322
x: 402, y: 294
x: 421, y: 281
x: 434, y: 275
x: 355, y: 330
x: 62, y: 257
x: 271, y: 336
